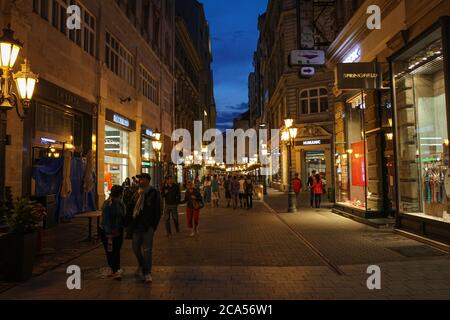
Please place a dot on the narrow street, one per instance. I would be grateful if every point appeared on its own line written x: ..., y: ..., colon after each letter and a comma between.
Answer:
x: 262, y: 254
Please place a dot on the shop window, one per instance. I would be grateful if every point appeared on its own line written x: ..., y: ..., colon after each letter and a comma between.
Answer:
x: 423, y: 145
x: 116, y: 141
x: 351, y: 166
x: 314, y: 101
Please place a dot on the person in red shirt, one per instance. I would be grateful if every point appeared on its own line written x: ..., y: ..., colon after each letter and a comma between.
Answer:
x: 297, y: 186
x: 318, y: 190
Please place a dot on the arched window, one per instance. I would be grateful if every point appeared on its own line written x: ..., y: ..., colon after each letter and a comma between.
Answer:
x: 314, y: 101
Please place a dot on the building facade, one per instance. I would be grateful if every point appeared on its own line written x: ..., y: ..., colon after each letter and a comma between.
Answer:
x: 392, y: 153
x: 283, y: 92
x: 192, y: 14
x: 105, y: 88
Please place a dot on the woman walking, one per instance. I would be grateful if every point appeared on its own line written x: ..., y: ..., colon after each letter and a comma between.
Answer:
x: 249, y: 193
x: 111, y: 230
x: 318, y: 190
x: 194, y: 201
x: 235, y: 191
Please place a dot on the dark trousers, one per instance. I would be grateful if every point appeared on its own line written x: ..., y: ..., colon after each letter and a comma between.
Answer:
x: 171, y: 213
x: 249, y: 201
x: 318, y: 200
x: 311, y: 197
x: 112, y: 257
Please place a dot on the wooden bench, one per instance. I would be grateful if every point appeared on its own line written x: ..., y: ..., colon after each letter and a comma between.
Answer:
x: 91, y: 215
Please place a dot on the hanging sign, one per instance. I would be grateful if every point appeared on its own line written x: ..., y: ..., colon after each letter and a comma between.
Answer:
x: 358, y: 76
x: 307, y: 57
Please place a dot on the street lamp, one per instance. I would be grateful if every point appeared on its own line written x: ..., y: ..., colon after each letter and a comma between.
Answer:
x: 288, y: 136
x: 25, y: 81
x: 157, y: 146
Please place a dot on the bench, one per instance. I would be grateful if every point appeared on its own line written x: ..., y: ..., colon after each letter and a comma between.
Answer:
x: 91, y: 215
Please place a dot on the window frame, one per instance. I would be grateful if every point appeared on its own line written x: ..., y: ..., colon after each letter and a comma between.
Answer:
x: 318, y: 97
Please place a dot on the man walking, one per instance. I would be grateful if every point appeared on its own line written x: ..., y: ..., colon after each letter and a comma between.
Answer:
x: 311, y: 188
x: 145, y: 221
x: 172, y: 197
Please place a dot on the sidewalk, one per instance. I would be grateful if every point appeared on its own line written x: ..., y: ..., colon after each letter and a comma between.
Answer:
x: 60, y: 245
x: 262, y: 255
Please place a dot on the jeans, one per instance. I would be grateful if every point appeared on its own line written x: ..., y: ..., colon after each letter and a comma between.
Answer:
x: 112, y: 257
x: 235, y: 200
x: 318, y: 200
x: 312, y: 197
x: 143, y: 249
x: 171, y: 213
x: 249, y: 197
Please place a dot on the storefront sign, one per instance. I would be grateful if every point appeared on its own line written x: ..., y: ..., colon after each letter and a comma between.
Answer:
x: 312, y: 142
x: 47, y: 141
x: 316, y: 142
x: 147, y: 132
x: 49, y: 91
x: 359, y: 76
x: 121, y: 120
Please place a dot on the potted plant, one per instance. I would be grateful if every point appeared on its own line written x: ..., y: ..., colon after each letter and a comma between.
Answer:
x: 25, y: 224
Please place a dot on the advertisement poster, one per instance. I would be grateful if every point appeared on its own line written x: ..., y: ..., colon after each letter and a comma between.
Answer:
x: 358, y: 165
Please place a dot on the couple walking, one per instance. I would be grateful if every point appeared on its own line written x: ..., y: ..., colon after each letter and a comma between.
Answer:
x: 141, y: 217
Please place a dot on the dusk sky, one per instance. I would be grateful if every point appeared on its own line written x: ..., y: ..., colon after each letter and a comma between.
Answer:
x: 234, y: 35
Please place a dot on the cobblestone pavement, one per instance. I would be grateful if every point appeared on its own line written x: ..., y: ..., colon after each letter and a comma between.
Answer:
x: 263, y: 255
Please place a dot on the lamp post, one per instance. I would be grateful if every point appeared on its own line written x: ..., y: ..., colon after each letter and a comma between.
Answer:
x: 25, y: 81
x: 288, y: 136
x: 157, y: 146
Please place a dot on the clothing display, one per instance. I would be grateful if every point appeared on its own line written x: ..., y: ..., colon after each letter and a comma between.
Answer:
x: 434, y: 185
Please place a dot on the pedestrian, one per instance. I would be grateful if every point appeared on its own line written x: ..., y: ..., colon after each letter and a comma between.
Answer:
x: 172, y: 197
x: 145, y: 221
x: 297, y: 187
x: 194, y: 201
x: 215, y: 191
x: 197, y: 183
x: 249, y: 193
x: 227, y: 187
x: 126, y: 183
x: 311, y: 189
x: 235, y: 191
x: 242, y: 191
x: 207, y: 190
x: 318, y: 190
x: 134, y: 182
x: 112, y: 230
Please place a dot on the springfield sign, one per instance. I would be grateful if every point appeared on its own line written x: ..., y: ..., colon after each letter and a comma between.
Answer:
x: 358, y: 76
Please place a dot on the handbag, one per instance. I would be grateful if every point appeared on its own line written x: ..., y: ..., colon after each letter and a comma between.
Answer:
x: 197, y: 204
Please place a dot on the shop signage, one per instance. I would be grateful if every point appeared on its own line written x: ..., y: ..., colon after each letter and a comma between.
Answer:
x: 47, y: 141
x: 359, y: 76
x: 307, y: 57
x: 121, y: 120
x: 312, y: 142
x: 147, y: 132
x: 316, y: 142
x: 51, y: 92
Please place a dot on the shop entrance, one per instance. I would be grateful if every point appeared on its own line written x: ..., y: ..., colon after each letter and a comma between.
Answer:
x: 315, y: 161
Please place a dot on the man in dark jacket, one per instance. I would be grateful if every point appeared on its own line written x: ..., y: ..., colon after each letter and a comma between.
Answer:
x: 172, y: 198
x: 145, y: 221
x: 311, y: 189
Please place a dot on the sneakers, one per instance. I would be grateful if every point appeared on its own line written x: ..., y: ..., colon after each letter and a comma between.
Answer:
x: 148, y: 278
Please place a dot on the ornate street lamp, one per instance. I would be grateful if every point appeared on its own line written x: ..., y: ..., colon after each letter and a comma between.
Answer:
x: 25, y: 82
x: 157, y: 146
x: 288, y: 136
x: 25, y: 79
